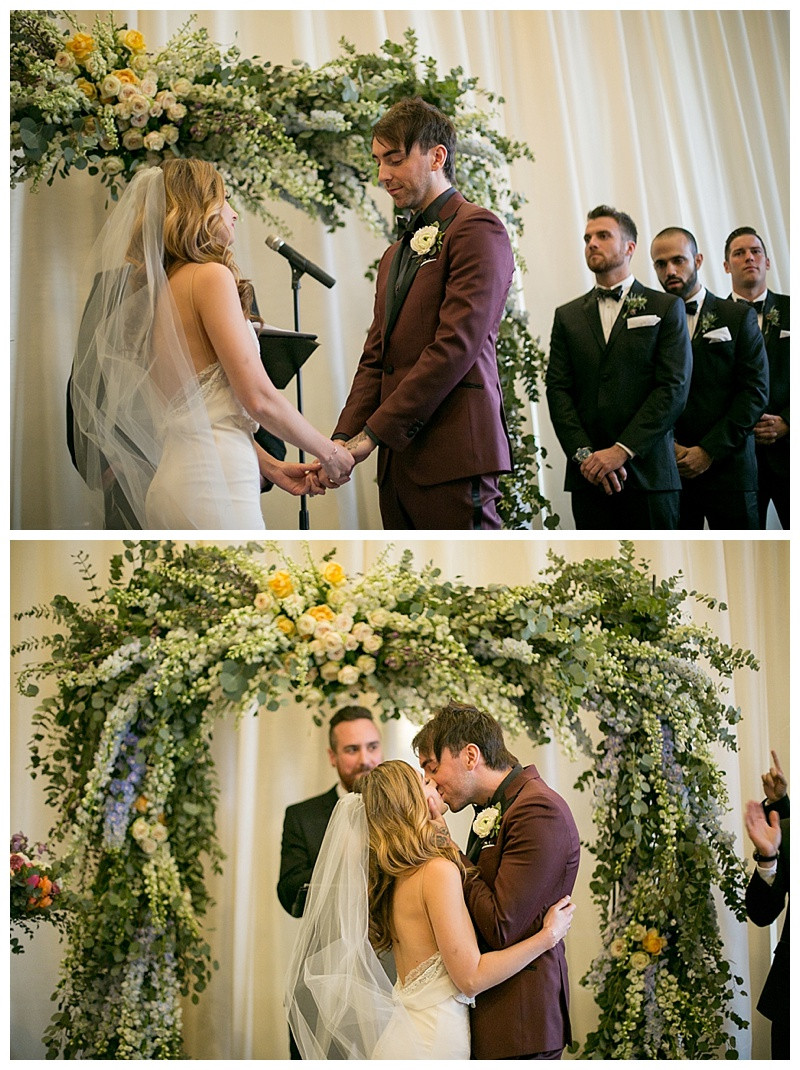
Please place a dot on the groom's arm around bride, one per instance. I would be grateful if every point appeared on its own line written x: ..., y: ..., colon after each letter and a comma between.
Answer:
x: 525, y: 846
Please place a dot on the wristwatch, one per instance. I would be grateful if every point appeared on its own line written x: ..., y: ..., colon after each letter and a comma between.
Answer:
x: 764, y: 858
x: 580, y: 455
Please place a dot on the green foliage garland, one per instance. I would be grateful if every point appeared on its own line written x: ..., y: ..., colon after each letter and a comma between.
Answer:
x: 101, y: 102
x: 181, y: 637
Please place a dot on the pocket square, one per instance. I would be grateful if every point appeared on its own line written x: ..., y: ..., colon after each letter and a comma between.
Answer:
x: 643, y: 321
x: 719, y: 334
x: 784, y: 334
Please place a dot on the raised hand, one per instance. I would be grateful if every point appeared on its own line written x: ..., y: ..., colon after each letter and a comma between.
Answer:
x: 775, y: 783
x: 766, y: 835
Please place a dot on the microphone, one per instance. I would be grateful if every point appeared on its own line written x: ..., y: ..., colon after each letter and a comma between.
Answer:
x: 298, y: 262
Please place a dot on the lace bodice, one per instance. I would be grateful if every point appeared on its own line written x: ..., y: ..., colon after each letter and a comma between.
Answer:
x: 216, y: 389
x: 428, y: 975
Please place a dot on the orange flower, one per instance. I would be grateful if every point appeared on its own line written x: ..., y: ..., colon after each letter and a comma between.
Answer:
x: 321, y: 613
x: 281, y: 584
x: 141, y: 804
x: 126, y: 75
x: 45, y: 884
x: 87, y: 88
x: 654, y: 943
x: 80, y: 46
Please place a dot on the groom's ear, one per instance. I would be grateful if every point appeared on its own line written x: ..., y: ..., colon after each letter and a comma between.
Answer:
x: 438, y: 157
x: 472, y: 755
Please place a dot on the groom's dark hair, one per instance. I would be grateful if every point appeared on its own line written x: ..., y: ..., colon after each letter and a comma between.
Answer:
x: 347, y: 713
x: 457, y: 724
x: 413, y: 121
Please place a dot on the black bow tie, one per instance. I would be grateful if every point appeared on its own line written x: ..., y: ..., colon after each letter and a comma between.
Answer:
x: 691, y: 308
x: 757, y: 305
x: 611, y: 295
x: 408, y: 226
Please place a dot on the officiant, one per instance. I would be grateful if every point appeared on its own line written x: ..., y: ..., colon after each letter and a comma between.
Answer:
x: 427, y: 392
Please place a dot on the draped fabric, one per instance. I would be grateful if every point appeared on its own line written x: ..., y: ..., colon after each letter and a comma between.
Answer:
x: 678, y: 117
x: 279, y: 758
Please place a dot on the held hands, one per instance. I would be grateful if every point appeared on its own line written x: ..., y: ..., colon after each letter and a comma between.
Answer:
x: 358, y: 448
x: 769, y: 429
x: 606, y: 469
x: 692, y: 460
x: 558, y: 919
x: 297, y: 479
x: 335, y: 468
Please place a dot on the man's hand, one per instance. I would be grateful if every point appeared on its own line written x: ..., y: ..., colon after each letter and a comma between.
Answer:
x: 769, y: 429
x: 766, y: 836
x: 775, y: 783
x: 606, y: 469
x: 360, y: 445
x: 692, y: 461
x: 295, y: 478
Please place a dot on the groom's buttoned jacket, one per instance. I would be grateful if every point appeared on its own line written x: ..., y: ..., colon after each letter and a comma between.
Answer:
x: 728, y: 394
x: 304, y: 827
x: 427, y: 384
x: 630, y: 389
x: 532, y: 865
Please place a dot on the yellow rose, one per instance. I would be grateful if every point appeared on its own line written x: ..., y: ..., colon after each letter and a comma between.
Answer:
x: 126, y: 76
x: 281, y: 584
x: 321, y: 613
x: 87, y: 88
x: 653, y: 943
x: 80, y: 46
x: 285, y: 625
x: 333, y: 573
x: 132, y: 40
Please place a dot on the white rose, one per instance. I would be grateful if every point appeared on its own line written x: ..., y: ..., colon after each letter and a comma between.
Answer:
x: 343, y: 623
x: 166, y: 99
x: 306, y: 625
x: 322, y: 628
x: 366, y: 664
x: 65, y: 61
x: 140, y: 829
x: 148, y: 86
x: 331, y: 640
x: 329, y: 671
x: 110, y: 86
x: 155, y: 110
x: 361, y: 631
x: 424, y: 239
x: 132, y: 139
x: 485, y: 821
x: 350, y: 642
x: 316, y: 650
x: 112, y: 165
x: 140, y: 105
x: 181, y: 87
x: 372, y: 644
x: 158, y: 832
x: 176, y: 112
x: 348, y: 675
x: 140, y: 120
x: 618, y: 948
x: 139, y: 63
x: 128, y: 90
x: 154, y: 140
x: 123, y: 109
x: 335, y: 653
x: 378, y: 618
x: 148, y: 845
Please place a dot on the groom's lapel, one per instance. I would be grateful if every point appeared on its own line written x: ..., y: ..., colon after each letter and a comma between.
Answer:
x: 396, y: 295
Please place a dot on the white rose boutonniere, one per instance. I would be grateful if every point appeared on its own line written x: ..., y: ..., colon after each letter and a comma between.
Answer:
x: 487, y: 823
x: 427, y: 241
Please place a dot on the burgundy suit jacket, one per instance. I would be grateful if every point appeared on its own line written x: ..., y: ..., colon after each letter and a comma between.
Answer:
x: 532, y: 865
x: 427, y: 384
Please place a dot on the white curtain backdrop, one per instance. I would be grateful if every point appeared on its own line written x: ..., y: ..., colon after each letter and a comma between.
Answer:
x: 678, y: 117
x: 279, y: 758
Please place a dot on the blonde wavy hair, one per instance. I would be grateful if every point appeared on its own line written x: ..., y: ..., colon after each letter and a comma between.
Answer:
x: 401, y: 837
x: 193, y: 231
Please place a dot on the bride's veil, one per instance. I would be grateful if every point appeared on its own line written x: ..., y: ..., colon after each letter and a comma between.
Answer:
x: 338, y: 997
x: 132, y: 375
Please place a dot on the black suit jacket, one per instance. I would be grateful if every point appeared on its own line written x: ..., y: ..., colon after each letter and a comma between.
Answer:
x: 776, y: 307
x: 304, y: 828
x: 629, y: 390
x: 764, y: 904
x: 728, y: 393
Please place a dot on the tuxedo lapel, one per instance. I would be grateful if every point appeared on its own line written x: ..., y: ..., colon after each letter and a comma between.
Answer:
x: 592, y: 314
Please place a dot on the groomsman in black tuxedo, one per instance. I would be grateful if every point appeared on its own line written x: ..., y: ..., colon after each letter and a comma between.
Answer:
x: 617, y: 380
x: 714, y: 444
x: 747, y: 263
x: 354, y: 748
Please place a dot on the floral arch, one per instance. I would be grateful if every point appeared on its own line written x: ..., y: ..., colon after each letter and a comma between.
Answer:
x: 139, y: 673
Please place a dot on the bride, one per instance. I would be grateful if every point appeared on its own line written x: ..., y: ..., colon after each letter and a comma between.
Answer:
x: 385, y: 880
x: 168, y: 385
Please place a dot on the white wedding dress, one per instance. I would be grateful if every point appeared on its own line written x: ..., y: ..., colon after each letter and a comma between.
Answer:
x: 437, y: 1021
x: 178, y: 496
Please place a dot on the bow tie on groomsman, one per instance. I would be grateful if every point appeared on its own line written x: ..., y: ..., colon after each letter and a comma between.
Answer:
x: 614, y: 294
x: 757, y: 305
x: 691, y: 308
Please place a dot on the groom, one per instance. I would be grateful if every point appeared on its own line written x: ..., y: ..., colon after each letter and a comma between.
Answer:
x: 526, y: 847
x: 427, y: 391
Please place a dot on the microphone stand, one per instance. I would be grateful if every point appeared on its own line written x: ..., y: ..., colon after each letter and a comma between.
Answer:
x: 297, y: 274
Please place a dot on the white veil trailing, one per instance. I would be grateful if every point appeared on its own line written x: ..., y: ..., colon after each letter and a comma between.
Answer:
x: 132, y: 375
x: 338, y: 997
